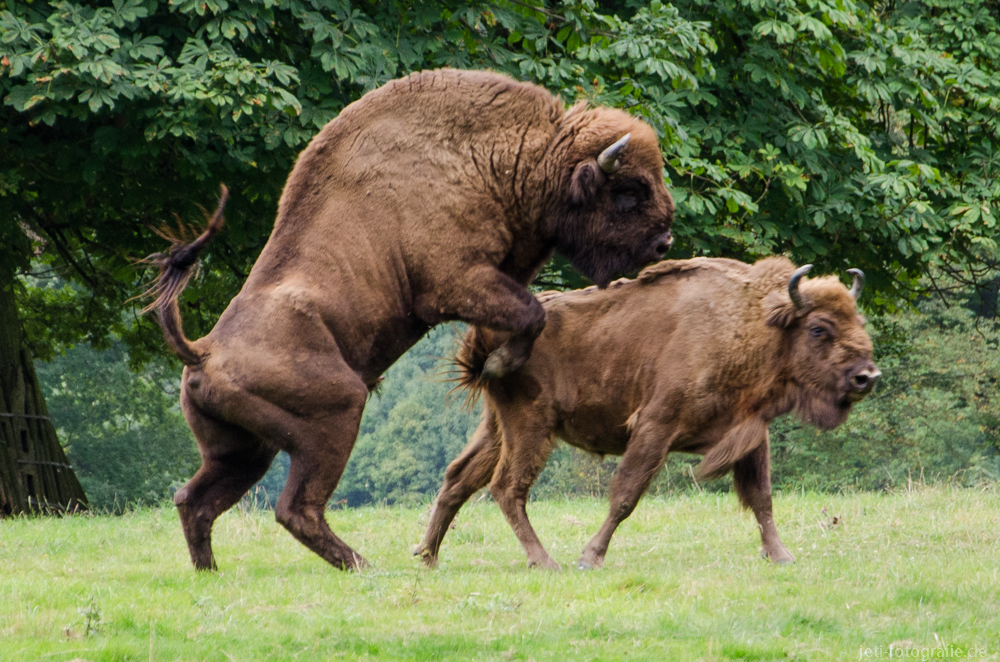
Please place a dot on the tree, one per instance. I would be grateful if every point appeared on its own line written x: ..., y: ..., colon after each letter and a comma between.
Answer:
x: 34, y: 473
x: 861, y: 135
x: 123, y: 430
x: 119, y: 116
x: 839, y: 132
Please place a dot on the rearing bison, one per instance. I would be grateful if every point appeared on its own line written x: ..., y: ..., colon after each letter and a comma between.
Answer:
x: 695, y: 355
x: 436, y: 197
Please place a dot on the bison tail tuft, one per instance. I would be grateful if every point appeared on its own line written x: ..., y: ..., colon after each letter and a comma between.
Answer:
x: 176, y: 267
x: 467, y: 363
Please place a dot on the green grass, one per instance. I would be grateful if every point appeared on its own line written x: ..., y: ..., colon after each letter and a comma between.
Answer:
x: 683, y: 581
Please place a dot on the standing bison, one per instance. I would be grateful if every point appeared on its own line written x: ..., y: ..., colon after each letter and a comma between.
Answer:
x: 437, y: 197
x: 695, y: 355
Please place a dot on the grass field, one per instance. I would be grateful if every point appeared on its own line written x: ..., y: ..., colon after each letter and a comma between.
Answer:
x: 683, y: 581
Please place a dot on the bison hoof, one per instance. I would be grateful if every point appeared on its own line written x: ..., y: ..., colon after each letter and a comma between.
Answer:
x: 546, y: 564
x: 430, y: 560
x: 590, y: 561
x: 353, y: 563
x: 779, y: 556
x: 497, y: 364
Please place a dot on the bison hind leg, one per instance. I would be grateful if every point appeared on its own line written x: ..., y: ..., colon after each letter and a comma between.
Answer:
x: 526, y: 447
x: 232, y: 461
x: 466, y: 475
x: 319, y: 454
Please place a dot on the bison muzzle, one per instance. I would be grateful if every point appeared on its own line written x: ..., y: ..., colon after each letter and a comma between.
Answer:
x: 436, y: 197
x: 695, y: 355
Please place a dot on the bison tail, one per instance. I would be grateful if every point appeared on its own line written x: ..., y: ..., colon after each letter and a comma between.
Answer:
x: 176, y: 268
x: 467, y: 363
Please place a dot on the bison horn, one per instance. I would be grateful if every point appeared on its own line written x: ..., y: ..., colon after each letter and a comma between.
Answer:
x: 608, y: 160
x: 859, y: 282
x: 793, y: 284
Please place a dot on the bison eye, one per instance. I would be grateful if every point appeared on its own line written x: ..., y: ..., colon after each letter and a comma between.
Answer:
x: 625, y: 201
x: 817, y: 332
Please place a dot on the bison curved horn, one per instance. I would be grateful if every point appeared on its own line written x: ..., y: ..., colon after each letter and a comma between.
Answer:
x: 859, y: 282
x: 793, y: 284
x: 608, y: 160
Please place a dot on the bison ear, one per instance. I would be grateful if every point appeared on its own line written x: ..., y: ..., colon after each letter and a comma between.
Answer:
x: 779, y: 310
x: 588, y: 178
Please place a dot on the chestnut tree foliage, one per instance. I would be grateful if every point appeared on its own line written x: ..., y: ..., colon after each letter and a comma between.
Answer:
x: 119, y: 116
x: 839, y: 132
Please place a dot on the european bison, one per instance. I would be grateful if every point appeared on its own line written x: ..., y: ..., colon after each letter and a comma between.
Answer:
x: 437, y: 197
x: 695, y: 355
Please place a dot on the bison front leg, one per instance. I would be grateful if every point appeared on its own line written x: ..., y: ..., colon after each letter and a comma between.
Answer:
x: 486, y: 297
x: 646, y: 451
x: 752, y: 479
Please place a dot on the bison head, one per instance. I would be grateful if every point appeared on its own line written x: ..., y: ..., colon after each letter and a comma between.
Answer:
x: 828, y: 352
x: 612, y: 212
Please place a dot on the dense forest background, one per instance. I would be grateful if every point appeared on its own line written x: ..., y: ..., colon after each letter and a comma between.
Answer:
x: 838, y: 132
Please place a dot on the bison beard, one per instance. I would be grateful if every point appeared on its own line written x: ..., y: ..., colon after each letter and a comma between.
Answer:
x: 436, y: 197
x: 600, y: 263
x: 824, y: 409
x: 695, y: 355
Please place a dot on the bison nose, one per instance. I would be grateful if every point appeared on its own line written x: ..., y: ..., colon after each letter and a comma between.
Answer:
x: 865, y: 381
x: 663, y: 244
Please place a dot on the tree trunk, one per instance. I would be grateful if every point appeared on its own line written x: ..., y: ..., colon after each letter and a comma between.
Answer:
x: 35, y: 476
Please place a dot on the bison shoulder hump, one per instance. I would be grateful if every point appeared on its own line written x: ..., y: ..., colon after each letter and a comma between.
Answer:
x: 731, y: 268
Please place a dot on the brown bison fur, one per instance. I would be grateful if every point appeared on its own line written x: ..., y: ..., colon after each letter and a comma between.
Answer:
x: 695, y: 355
x: 436, y: 197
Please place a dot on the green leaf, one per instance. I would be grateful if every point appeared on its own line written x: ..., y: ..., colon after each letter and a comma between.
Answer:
x: 972, y: 215
x: 783, y: 32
